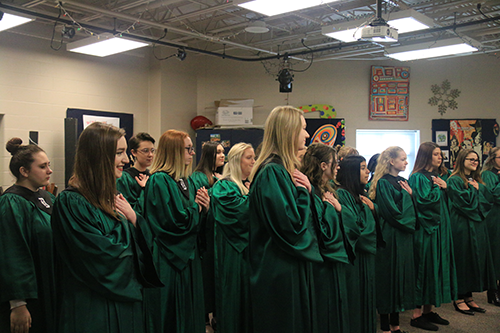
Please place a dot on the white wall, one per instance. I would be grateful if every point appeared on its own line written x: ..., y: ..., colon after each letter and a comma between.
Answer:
x: 345, y: 85
x: 38, y: 84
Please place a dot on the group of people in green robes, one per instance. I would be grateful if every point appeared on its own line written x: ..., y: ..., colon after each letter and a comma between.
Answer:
x: 298, y: 240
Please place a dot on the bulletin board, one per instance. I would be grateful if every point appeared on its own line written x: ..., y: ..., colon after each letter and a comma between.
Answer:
x: 77, y: 119
x: 85, y: 117
x: 453, y: 135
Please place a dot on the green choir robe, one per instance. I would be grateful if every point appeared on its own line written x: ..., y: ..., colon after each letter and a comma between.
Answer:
x: 230, y: 209
x: 96, y: 270
x: 475, y: 272
x: 26, y: 256
x: 436, y: 279
x: 360, y: 227
x: 131, y: 190
x: 330, y: 277
x: 174, y: 219
x: 282, y: 248
x: 492, y: 219
x: 395, y: 266
x: 206, y: 244
x: 446, y: 175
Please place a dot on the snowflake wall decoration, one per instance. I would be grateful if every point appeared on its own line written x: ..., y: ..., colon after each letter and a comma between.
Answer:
x: 444, y: 97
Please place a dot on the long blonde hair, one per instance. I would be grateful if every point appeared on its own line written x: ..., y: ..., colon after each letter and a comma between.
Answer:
x: 489, y: 164
x: 232, y: 169
x: 281, y: 132
x: 170, y: 155
x: 383, y: 167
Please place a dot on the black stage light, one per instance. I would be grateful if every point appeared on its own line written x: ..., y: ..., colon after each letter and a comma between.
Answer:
x: 181, y: 54
x: 285, y: 79
x: 68, y: 32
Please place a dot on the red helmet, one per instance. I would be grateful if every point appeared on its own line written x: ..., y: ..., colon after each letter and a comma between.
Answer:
x: 200, y: 122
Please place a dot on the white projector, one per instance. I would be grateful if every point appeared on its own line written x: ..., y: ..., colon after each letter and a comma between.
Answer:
x: 379, y: 33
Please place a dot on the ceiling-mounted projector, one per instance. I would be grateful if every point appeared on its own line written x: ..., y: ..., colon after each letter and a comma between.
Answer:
x: 379, y: 33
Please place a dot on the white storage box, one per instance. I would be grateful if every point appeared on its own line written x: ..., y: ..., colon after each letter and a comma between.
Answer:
x: 234, y: 116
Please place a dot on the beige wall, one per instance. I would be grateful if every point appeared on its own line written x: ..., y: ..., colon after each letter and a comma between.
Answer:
x: 345, y: 85
x: 38, y: 84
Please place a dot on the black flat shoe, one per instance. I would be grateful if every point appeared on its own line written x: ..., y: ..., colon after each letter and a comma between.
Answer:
x: 493, y: 297
x: 424, y: 324
x: 433, y: 317
x: 467, y: 312
x: 475, y: 308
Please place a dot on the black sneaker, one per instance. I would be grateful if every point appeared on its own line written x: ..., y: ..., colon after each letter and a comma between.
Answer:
x: 433, y: 317
x: 424, y: 324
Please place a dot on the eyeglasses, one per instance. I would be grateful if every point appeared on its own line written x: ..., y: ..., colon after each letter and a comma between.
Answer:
x: 472, y: 160
x: 190, y: 150
x: 147, y: 151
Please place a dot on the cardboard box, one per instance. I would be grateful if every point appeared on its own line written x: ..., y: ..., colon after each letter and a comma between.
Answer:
x: 234, y: 116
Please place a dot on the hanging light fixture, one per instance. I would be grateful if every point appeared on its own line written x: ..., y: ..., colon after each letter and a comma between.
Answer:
x: 8, y: 21
x: 104, y: 45
x: 432, y: 49
x: 276, y: 7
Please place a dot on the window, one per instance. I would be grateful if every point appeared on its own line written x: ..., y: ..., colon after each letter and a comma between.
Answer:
x: 371, y: 142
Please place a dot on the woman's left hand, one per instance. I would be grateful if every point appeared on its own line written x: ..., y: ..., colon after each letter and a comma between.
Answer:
x: 142, y: 179
x: 439, y: 182
x: 367, y: 202
x: 301, y: 180
x: 474, y: 183
x: 330, y: 198
x: 124, y: 208
x: 405, y: 186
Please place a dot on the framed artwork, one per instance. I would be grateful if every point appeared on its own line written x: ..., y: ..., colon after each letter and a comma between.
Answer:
x: 477, y: 134
x: 446, y: 154
x: 442, y: 138
x: 389, y: 93
x: 328, y: 131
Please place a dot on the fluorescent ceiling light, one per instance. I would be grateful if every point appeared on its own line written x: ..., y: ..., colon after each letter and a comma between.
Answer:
x: 9, y: 21
x: 276, y: 7
x: 442, y: 48
x: 405, y: 21
x: 104, y: 45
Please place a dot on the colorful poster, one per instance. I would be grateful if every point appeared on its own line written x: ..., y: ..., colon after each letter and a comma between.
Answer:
x: 328, y: 131
x: 389, y: 93
x: 477, y: 134
x: 465, y: 134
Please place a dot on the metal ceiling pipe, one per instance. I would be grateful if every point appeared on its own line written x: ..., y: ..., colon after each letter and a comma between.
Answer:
x: 162, y: 26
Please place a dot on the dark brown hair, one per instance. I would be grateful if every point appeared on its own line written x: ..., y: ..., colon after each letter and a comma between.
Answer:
x: 207, y: 161
x: 424, y: 156
x: 135, y: 141
x: 460, y: 167
x: 22, y: 156
x: 94, y: 170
